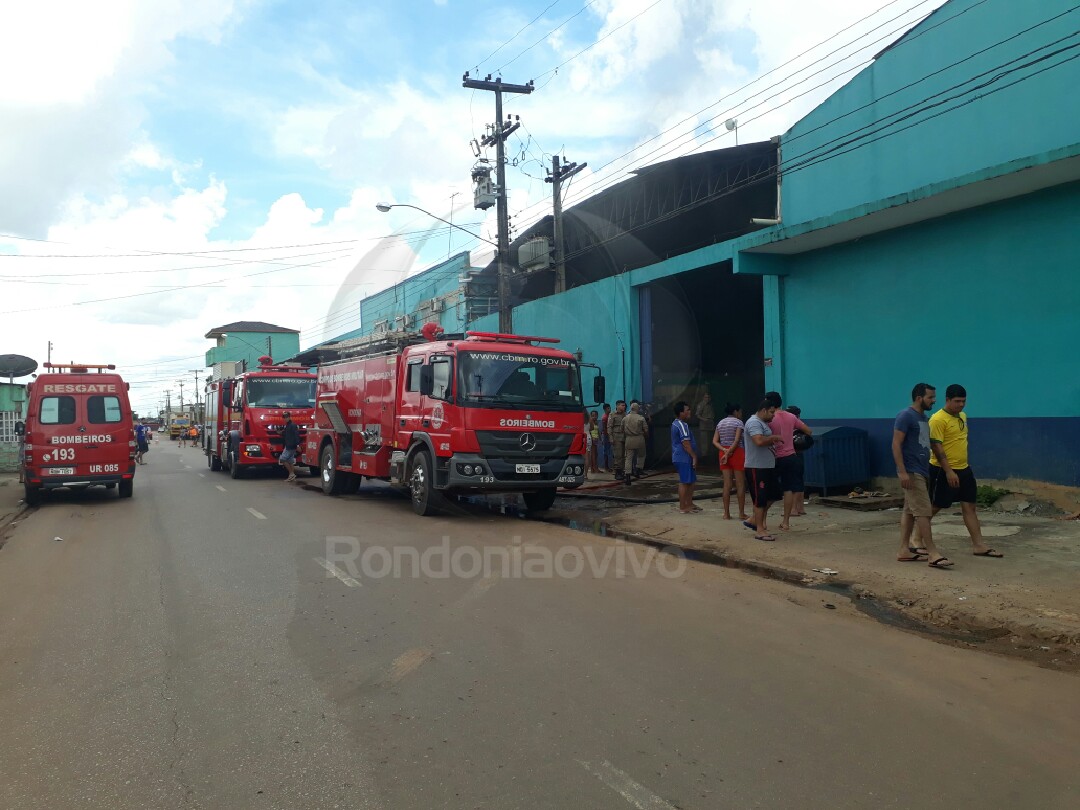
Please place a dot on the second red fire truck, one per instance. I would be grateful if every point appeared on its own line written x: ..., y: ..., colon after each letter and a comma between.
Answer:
x: 482, y: 413
x: 245, y: 416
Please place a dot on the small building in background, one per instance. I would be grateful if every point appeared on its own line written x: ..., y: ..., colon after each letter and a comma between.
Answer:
x: 241, y: 344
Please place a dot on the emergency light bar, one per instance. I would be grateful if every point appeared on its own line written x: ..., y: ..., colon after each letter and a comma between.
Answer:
x: 80, y: 368
x: 511, y: 338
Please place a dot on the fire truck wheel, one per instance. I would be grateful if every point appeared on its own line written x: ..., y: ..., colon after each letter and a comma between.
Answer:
x: 32, y: 495
x: 127, y: 488
x: 426, y: 500
x: 334, y: 482
x: 234, y: 465
x: 539, y: 501
x: 213, y: 462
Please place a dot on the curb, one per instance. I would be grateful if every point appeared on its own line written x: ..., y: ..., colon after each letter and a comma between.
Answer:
x: 886, y: 608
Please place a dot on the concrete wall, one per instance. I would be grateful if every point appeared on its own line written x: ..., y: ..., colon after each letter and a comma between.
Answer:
x: 987, y: 298
x: 599, y: 319
x: 1031, y: 117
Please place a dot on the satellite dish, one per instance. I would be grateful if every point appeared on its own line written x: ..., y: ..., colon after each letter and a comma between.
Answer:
x: 15, y: 365
x: 731, y: 123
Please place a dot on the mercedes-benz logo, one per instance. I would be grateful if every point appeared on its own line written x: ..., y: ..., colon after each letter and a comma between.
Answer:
x: 527, y: 442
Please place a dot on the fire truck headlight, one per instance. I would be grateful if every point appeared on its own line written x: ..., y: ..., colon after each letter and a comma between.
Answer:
x: 478, y: 469
x: 467, y: 469
x: 252, y: 448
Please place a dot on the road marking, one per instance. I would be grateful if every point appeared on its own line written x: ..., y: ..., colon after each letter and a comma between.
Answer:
x: 637, y: 795
x: 202, y: 475
x: 219, y: 486
x: 257, y: 513
x: 337, y: 572
x: 409, y: 661
x: 186, y: 467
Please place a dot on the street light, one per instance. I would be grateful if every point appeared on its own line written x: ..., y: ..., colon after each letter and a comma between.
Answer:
x: 385, y: 207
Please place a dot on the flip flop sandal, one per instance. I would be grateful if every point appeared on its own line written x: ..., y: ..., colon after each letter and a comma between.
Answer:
x: 749, y: 525
x: 767, y: 537
x: 916, y: 558
x: 943, y: 563
x: 918, y: 550
x: 990, y: 552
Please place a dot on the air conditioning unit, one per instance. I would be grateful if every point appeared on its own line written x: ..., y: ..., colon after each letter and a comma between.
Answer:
x: 436, y: 305
x: 535, y: 254
x: 381, y: 327
x: 404, y: 321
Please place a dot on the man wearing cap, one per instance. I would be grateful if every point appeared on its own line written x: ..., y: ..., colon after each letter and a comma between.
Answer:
x: 291, y: 434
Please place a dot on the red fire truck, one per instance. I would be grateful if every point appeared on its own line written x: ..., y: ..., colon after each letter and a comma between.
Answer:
x: 245, y: 416
x: 480, y: 413
x: 79, y: 432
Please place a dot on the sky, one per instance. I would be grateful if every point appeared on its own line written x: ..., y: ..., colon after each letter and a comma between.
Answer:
x: 170, y: 166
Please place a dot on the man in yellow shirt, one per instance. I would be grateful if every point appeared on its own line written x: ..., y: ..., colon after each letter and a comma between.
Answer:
x: 951, y: 478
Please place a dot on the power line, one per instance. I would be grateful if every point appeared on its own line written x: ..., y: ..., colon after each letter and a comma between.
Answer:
x: 639, y: 158
x: 543, y: 38
x: 515, y: 36
x: 771, y: 173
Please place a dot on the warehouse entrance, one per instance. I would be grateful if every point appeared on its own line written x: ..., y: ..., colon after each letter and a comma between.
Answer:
x: 702, y: 331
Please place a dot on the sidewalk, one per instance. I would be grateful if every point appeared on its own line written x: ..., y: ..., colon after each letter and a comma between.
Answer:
x: 11, y: 493
x: 1031, y: 594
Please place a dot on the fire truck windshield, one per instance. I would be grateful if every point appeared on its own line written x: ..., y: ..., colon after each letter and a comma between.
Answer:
x: 511, y: 380
x: 283, y: 392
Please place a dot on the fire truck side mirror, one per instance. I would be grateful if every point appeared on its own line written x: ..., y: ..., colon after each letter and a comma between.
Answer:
x: 599, y: 389
x: 427, y: 380
x: 20, y: 428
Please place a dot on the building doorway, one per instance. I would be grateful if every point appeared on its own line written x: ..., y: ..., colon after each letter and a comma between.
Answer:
x: 702, y: 331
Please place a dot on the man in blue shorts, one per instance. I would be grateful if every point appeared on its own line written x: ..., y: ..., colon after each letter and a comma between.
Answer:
x: 684, y: 457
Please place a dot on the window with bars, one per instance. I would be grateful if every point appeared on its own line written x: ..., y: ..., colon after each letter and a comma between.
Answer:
x: 7, y: 426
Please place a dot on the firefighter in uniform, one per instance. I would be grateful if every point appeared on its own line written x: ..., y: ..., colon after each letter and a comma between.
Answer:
x: 617, y: 435
x: 635, y: 429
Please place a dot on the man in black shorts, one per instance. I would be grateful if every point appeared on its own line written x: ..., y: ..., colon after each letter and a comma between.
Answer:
x: 951, y: 478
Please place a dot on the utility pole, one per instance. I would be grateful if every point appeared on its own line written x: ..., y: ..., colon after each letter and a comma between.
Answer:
x: 181, y: 383
x: 195, y: 415
x: 560, y: 172
x: 168, y: 405
x: 269, y: 348
x: 498, y: 138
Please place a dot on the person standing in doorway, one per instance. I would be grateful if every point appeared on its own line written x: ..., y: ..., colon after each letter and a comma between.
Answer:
x: 605, y: 440
x: 951, y: 477
x: 789, y: 470
x: 911, y: 453
x: 617, y: 436
x: 761, y: 467
x: 635, y: 430
x: 706, y: 422
x: 728, y: 439
x: 685, y: 458
x: 291, y: 435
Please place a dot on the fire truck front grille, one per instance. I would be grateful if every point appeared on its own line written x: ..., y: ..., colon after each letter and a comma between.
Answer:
x: 524, y: 444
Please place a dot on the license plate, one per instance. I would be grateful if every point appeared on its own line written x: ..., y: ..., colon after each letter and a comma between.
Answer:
x: 527, y: 468
x: 60, y: 471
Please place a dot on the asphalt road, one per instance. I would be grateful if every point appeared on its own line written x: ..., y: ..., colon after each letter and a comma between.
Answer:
x: 231, y: 644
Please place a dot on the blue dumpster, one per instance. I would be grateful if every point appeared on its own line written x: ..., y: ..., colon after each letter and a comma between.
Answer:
x: 840, y: 457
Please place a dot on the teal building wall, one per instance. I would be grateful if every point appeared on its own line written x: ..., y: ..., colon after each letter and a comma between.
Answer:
x: 975, y: 85
x: 250, y: 346
x: 599, y: 320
